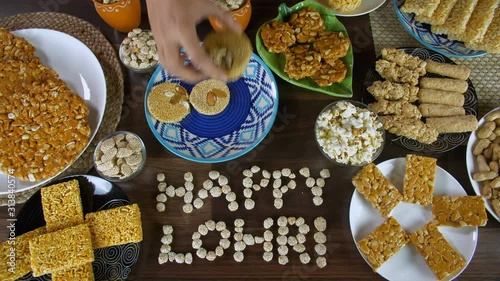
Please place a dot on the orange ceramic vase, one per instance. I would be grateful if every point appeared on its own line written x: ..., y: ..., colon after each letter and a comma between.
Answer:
x: 123, y: 15
x: 242, y: 17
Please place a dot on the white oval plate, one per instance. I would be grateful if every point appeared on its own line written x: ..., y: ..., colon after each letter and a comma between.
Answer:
x: 366, y: 6
x: 408, y: 264
x: 79, y: 68
x: 470, y: 160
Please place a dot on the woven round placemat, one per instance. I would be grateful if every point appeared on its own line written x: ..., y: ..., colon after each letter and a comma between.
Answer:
x: 107, y: 56
x: 485, y: 71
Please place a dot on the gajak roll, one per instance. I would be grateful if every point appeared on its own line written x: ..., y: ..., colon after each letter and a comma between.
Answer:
x: 440, y: 110
x: 453, y: 124
x: 440, y: 97
x: 444, y: 84
x: 447, y: 69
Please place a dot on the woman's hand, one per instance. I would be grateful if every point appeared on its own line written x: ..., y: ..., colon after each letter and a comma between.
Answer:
x: 173, y: 23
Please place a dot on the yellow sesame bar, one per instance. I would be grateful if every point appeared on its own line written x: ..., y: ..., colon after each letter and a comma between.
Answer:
x: 420, y: 7
x: 62, y: 205
x: 491, y: 39
x: 459, y: 211
x: 377, y: 189
x: 20, y: 247
x: 439, y: 255
x: 418, y: 184
x: 383, y: 242
x: 61, y: 250
x: 81, y: 273
x: 440, y: 14
x: 116, y: 226
x: 480, y: 20
x: 456, y: 22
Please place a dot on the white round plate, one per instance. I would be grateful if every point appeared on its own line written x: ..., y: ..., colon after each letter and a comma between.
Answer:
x: 470, y: 160
x: 408, y: 264
x: 367, y: 6
x: 78, y: 67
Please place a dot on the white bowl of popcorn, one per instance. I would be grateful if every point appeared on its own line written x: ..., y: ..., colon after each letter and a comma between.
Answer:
x: 119, y: 156
x: 138, y: 51
x: 349, y: 133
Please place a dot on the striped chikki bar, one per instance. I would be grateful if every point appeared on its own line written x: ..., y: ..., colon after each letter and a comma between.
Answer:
x: 61, y: 250
x: 491, y: 40
x: 377, y: 189
x: 420, y: 7
x: 116, y: 226
x: 80, y: 273
x: 395, y: 73
x: 439, y: 255
x: 383, y: 242
x: 22, y: 255
x: 62, y: 205
x: 387, y: 90
x: 459, y: 211
x: 401, y: 58
x: 456, y: 22
x: 440, y: 14
x: 480, y: 20
x: 418, y: 184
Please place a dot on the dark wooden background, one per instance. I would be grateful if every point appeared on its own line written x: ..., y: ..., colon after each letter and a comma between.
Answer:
x: 290, y: 144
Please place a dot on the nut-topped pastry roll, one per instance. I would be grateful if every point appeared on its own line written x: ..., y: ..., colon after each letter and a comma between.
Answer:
x: 459, y: 211
x: 439, y: 255
x: 377, y: 189
x: 383, y: 242
x: 418, y: 184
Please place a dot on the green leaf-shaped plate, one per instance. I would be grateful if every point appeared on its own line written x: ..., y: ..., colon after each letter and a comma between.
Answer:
x: 276, y: 62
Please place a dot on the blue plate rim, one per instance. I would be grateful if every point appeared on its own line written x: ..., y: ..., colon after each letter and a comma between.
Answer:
x: 213, y: 160
x: 427, y: 45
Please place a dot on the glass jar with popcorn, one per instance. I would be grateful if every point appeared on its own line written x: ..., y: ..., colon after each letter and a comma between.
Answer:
x: 349, y: 133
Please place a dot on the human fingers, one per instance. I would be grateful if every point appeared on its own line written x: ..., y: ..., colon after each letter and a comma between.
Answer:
x: 173, y: 62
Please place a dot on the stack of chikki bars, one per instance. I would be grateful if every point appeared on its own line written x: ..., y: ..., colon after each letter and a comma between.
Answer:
x: 64, y: 247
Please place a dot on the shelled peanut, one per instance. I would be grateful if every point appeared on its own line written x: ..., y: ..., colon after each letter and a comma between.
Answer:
x: 487, y: 153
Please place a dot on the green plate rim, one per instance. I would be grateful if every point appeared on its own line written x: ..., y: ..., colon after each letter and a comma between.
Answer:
x: 344, y: 89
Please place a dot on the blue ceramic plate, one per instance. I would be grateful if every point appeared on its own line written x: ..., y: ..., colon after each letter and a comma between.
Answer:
x: 439, y: 43
x: 230, y: 134
x: 445, y: 142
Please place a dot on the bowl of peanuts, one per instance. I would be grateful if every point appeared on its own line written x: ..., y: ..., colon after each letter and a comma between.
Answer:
x: 119, y: 156
x: 138, y: 51
x: 349, y: 133
x: 483, y: 161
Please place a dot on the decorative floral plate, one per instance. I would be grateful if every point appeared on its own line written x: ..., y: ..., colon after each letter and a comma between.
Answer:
x: 277, y: 61
x: 445, y: 142
x: 111, y: 263
x: 439, y: 43
x: 230, y: 134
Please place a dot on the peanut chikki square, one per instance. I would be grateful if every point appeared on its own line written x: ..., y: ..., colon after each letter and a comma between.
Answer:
x: 61, y: 250
x: 80, y: 273
x: 62, y: 205
x: 439, y: 255
x: 116, y: 226
x: 418, y: 184
x: 383, y: 242
x: 459, y: 211
x: 18, y: 249
x: 377, y: 189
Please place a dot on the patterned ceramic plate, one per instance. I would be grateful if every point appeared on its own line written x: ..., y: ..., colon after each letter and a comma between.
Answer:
x: 111, y: 263
x: 445, y: 142
x: 439, y: 43
x: 277, y: 61
x: 225, y: 136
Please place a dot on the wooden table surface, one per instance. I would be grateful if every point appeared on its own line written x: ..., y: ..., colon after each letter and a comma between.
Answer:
x: 290, y: 144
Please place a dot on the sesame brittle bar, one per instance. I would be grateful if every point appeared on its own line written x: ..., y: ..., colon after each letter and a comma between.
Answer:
x: 383, y: 242
x: 115, y: 226
x: 377, y: 189
x: 459, y: 211
x: 439, y: 255
x: 61, y: 250
x: 62, y: 205
x: 418, y: 184
x: 80, y: 273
